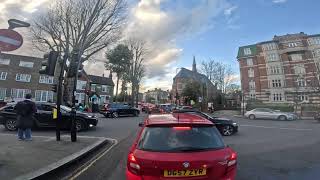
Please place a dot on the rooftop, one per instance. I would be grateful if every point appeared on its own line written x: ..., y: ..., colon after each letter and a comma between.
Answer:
x: 176, y: 119
x: 101, y: 80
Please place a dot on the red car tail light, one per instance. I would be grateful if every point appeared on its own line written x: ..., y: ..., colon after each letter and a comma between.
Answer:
x: 182, y: 128
x: 232, y: 161
x: 133, y: 165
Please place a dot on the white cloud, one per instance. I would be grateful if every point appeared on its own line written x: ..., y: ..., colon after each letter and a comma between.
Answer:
x: 230, y: 10
x: 279, y: 1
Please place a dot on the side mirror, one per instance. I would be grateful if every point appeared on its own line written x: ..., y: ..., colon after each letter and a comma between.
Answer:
x: 141, y: 124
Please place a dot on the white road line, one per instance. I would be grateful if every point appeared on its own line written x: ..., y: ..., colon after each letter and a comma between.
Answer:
x: 273, y: 127
x: 115, y: 142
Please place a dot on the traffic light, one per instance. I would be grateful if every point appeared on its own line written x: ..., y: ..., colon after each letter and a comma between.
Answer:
x: 48, y: 65
x: 72, y: 71
x: 54, y: 88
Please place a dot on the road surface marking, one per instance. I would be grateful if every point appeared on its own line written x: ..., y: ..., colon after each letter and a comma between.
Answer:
x: 273, y: 127
x: 95, y: 159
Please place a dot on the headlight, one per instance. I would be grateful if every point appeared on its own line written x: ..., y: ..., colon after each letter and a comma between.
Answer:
x: 235, y: 124
x: 89, y: 116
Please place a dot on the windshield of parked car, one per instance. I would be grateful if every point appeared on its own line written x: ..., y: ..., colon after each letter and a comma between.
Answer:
x: 65, y: 108
x: 176, y: 139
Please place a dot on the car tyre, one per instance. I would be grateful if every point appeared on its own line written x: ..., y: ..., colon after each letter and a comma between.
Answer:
x: 282, y: 118
x: 227, y: 130
x: 252, y: 117
x: 80, y: 125
x: 11, y: 124
x: 115, y: 115
x: 135, y: 113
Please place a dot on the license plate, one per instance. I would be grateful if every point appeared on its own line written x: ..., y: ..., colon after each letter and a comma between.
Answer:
x: 185, y: 173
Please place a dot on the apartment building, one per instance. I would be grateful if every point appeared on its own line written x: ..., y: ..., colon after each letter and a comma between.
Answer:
x: 19, y: 75
x: 282, y: 70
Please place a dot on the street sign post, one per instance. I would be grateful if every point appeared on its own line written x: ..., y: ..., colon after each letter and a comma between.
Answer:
x: 10, y: 40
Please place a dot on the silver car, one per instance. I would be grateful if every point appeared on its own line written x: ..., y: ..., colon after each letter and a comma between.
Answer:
x: 266, y: 113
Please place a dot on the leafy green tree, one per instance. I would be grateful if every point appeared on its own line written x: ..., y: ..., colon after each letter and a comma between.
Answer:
x: 118, y: 60
x: 191, y: 91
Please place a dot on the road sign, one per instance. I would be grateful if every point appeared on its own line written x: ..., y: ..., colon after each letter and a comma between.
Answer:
x: 10, y: 40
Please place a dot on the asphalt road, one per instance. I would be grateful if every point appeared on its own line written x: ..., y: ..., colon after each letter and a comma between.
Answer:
x: 266, y: 149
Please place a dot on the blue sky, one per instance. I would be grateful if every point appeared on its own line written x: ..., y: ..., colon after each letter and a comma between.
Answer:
x: 251, y: 21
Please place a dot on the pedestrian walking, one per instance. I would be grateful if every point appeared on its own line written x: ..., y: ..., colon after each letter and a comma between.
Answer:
x: 25, y: 115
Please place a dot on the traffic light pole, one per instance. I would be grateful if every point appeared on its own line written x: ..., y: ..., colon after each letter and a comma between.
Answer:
x: 59, y: 96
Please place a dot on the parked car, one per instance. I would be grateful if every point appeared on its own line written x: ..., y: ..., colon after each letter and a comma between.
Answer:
x: 317, y: 116
x: 44, y: 118
x: 266, y: 113
x: 227, y: 127
x: 185, y: 147
x: 115, y: 110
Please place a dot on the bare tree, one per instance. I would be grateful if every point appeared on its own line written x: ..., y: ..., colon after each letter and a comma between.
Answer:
x: 78, y: 28
x: 218, y: 73
x: 136, y: 70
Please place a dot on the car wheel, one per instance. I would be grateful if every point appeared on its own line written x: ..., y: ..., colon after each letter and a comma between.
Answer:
x: 80, y: 125
x: 227, y: 130
x: 282, y: 118
x: 252, y: 117
x: 11, y: 124
x: 135, y: 113
x: 115, y: 115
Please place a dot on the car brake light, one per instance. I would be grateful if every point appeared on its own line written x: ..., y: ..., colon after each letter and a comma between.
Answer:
x: 232, y: 161
x: 133, y: 165
x: 182, y: 128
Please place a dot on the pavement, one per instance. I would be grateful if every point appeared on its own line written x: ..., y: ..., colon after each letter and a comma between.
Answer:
x: 31, y: 159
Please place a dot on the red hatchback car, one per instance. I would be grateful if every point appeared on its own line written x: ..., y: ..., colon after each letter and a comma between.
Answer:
x: 180, y: 147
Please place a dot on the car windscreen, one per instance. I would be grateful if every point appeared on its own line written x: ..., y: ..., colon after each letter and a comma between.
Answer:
x: 65, y: 108
x: 180, y: 139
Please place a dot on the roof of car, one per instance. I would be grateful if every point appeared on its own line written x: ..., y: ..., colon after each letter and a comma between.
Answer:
x: 176, y: 119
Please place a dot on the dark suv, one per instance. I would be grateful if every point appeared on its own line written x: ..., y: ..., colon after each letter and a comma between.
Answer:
x: 43, y: 117
x: 116, y: 110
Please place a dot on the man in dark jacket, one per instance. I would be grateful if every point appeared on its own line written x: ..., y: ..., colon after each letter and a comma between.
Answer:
x: 25, y: 114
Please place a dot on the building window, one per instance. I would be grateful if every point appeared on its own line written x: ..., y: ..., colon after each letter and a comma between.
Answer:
x: 303, y: 97
x: 277, y: 97
x: 46, y: 79
x: 316, y: 53
x: 251, y: 72
x: 274, y: 70
x: 252, y: 85
x: 105, y: 88
x: 299, y: 70
x: 93, y: 87
x: 296, y: 57
x: 249, y: 62
x: 23, y: 77
x: 26, y: 64
x: 272, y: 57
x: 301, y: 82
x: 19, y: 93
x: 43, y: 96
x: 3, y: 92
x: 292, y: 44
x: 314, y: 41
x: 80, y: 97
x: 81, y: 85
x: 3, y: 75
x: 252, y: 95
x: 269, y: 47
x: 247, y: 51
x: 4, y: 61
x: 276, y: 83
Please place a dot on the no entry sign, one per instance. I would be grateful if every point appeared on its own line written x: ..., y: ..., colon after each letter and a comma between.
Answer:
x: 10, y: 40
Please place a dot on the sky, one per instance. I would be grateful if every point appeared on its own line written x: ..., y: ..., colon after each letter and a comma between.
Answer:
x: 177, y: 30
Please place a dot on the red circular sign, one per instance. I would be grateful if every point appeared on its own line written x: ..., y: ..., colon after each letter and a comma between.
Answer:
x: 10, y: 40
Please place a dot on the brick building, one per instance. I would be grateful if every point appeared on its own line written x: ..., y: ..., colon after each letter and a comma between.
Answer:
x: 283, y: 70
x: 103, y: 86
x: 19, y: 75
x: 156, y: 96
x: 184, y: 76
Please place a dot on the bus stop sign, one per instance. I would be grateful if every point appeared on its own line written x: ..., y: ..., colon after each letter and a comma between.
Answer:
x: 10, y: 40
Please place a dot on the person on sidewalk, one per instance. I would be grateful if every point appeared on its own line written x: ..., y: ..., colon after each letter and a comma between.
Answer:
x: 25, y: 116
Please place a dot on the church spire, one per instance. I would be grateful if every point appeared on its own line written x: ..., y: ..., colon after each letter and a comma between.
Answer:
x: 194, y: 65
